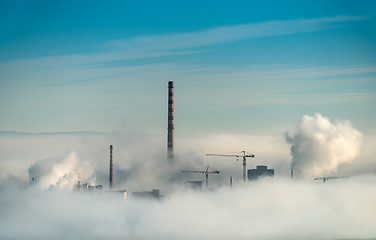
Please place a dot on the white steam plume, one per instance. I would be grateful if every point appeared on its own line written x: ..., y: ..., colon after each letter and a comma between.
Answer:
x: 319, y: 147
x: 61, y: 173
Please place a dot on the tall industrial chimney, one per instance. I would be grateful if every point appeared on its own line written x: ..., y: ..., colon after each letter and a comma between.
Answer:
x: 292, y: 173
x: 111, y: 168
x: 170, y: 134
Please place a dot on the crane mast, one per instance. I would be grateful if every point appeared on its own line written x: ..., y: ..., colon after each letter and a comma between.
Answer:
x: 243, y: 155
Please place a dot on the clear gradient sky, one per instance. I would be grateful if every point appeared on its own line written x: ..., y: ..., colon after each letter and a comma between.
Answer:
x: 252, y: 67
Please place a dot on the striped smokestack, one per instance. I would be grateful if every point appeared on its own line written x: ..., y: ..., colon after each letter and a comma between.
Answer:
x: 111, y: 168
x: 170, y: 134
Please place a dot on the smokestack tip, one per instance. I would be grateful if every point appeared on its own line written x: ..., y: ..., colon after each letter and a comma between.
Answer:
x: 170, y: 84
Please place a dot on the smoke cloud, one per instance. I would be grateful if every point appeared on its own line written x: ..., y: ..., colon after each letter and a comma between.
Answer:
x: 319, y: 147
x: 61, y: 173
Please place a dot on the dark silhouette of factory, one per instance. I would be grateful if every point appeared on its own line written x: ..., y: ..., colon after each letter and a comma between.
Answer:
x: 154, y: 194
x: 260, y: 171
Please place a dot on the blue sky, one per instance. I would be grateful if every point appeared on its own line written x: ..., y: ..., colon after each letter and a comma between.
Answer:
x: 239, y: 67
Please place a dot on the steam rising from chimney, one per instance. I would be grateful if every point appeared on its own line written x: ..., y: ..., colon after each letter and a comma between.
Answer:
x: 318, y: 147
x: 61, y: 173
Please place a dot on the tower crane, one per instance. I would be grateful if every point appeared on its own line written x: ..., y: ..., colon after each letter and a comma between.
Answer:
x: 244, y: 155
x: 324, y: 179
x: 206, y: 172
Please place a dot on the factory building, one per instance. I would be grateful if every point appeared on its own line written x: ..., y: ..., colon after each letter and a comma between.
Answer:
x: 154, y: 194
x: 91, y: 188
x: 260, y: 171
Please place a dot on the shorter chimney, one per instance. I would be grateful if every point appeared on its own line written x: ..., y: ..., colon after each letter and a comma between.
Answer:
x: 111, y: 169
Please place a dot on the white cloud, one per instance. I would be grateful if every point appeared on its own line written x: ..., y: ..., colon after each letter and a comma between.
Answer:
x: 231, y: 33
x: 168, y: 45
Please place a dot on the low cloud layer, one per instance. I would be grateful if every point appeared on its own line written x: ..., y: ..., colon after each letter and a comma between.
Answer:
x: 271, y: 208
x: 319, y: 147
x: 266, y: 209
x: 140, y: 161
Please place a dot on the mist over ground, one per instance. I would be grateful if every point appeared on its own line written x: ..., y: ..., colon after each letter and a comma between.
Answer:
x: 266, y: 209
x: 140, y: 161
x: 271, y: 208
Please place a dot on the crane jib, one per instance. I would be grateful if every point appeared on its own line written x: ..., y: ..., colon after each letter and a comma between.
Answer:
x: 244, y: 156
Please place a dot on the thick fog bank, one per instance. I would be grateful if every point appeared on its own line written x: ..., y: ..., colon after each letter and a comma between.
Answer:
x: 267, y: 209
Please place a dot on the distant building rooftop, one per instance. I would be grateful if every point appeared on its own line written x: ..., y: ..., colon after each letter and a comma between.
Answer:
x: 254, y: 174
